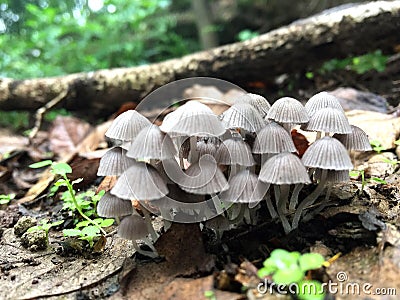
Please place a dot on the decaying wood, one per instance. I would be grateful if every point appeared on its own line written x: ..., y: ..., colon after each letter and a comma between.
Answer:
x: 301, y: 45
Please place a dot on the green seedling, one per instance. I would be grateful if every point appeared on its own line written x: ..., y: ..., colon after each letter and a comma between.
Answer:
x: 356, y: 173
x: 393, y: 162
x: 45, y: 226
x: 210, y: 295
x: 87, y: 201
x: 377, y: 146
x: 290, y: 267
x: 88, y: 232
x: 378, y: 180
x: 5, y: 199
x: 62, y: 169
x: 397, y: 142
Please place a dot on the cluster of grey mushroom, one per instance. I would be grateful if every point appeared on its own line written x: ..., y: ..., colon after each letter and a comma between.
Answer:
x: 220, y: 169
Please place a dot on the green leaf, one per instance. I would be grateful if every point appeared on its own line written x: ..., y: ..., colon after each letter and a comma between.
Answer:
x: 41, y: 164
x: 378, y: 180
x: 310, y: 290
x: 288, y: 276
x: 72, y: 232
x: 91, y: 231
x: 61, y: 168
x: 107, y: 222
x: 264, y: 272
x: 354, y: 173
x: 82, y: 224
x: 34, y: 228
x: 311, y: 261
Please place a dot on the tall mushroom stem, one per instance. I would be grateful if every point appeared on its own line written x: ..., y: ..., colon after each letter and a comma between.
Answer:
x: 218, y: 204
x: 310, y: 199
x: 270, y: 206
x: 295, y: 196
x: 281, y: 207
x: 149, y: 225
x: 322, y: 205
x: 193, y: 154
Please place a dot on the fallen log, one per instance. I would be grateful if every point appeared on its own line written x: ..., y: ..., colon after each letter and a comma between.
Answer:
x: 305, y: 44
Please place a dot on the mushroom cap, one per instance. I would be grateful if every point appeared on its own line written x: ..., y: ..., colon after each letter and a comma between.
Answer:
x: 203, y: 177
x: 218, y: 223
x: 193, y: 118
x: 257, y: 101
x: 273, y: 138
x: 327, y: 153
x: 126, y: 126
x: 133, y: 228
x: 242, y: 115
x: 207, y: 146
x: 288, y: 110
x: 329, y: 119
x: 141, y: 181
x: 284, y: 168
x: 114, y: 162
x: 333, y: 175
x: 234, y: 151
x: 322, y: 100
x: 152, y: 143
x: 357, y: 140
x: 110, y: 206
x: 243, y: 188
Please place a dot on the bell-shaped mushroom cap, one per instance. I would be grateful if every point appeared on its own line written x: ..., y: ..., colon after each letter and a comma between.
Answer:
x: 193, y: 118
x: 273, y: 138
x: 288, y: 110
x: 133, y: 227
x: 243, y: 188
x: 140, y: 182
x: 284, y: 168
x: 126, y: 126
x: 357, y: 140
x: 110, y: 206
x: 114, y: 162
x: 257, y: 101
x: 322, y: 100
x: 327, y: 153
x: 333, y: 175
x: 151, y: 143
x: 244, y: 116
x: 329, y: 120
x: 203, y: 177
x: 234, y: 151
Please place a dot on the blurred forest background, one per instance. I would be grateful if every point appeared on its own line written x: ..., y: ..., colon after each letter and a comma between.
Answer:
x: 41, y: 38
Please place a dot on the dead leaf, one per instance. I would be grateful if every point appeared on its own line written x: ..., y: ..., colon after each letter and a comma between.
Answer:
x: 66, y: 134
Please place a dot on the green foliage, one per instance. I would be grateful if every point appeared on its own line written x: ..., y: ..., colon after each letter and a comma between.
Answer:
x: 86, y: 200
x: 54, y: 113
x: 61, y: 37
x: 62, y: 169
x: 210, y: 295
x: 290, y: 267
x: 359, y: 64
x: 5, y: 199
x: 88, y: 232
x: 377, y: 146
x: 246, y: 35
x: 16, y: 120
x: 45, y: 226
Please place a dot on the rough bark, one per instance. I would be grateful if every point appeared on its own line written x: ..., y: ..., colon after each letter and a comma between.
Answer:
x: 303, y: 44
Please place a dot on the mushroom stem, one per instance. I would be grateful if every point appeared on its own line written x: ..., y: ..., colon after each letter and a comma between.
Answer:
x: 321, y: 206
x: 234, y: 170
x: 218, y: 204
x: 270, y: 206
x: 295, y: 196
x: 240, y: 215
x: 310, y: 199
x: 143, y: 252
x: 193, y: 154
x: 319, y: 135
x: 149, y: 225
x: 281, y: 207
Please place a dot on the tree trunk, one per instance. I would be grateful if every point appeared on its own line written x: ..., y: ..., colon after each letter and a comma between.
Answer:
x: 304, y: 44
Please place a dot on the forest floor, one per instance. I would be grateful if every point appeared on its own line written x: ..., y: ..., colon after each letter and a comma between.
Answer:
x: 361, y: 222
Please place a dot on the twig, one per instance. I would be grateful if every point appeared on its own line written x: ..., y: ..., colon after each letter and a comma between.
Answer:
x: 40, y: 112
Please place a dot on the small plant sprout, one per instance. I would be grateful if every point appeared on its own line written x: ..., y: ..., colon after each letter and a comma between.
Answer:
x: 288, y: 268
x: 5, y: 199
x: 45, y: 226
x: 377, y: 146
x: 62, y: 169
